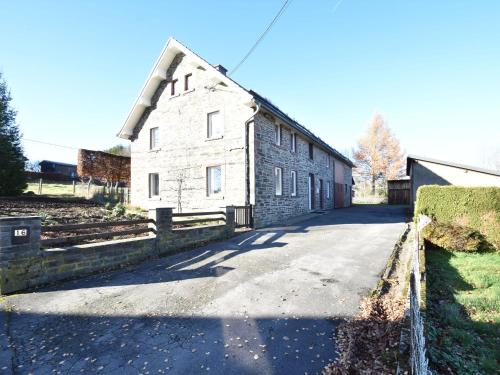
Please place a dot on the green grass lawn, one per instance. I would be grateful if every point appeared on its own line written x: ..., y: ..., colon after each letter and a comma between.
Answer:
x: 52, y: 188
x: 463, y: 311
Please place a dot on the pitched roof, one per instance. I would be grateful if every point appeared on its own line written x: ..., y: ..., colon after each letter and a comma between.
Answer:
x: 158, y: 74
x: 57, y: 163
x: 278, y: 112
x: 412, y: 158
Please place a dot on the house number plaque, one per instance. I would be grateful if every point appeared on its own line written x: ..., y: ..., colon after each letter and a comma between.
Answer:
x: 20, y: 235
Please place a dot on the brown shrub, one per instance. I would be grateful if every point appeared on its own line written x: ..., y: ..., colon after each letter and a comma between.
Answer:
x: 455, y: 237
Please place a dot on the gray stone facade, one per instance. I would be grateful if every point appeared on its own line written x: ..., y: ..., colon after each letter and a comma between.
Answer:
x: 271, y: 208
x: 185, y: 151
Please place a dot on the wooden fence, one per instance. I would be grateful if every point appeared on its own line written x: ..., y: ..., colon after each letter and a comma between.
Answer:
x: 398, y: 192
x: 78, y: 188
x: 125, y: 228
x: 190, y: 218
x: 76, y: 228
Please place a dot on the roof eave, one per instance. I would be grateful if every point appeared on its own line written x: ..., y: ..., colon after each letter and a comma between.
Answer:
x: 158, y: 74
x: 301, y: 128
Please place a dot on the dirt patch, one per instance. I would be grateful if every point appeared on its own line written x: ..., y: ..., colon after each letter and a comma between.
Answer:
x: 54, y: 211
x: 60, y: 211
x: 369, y: 343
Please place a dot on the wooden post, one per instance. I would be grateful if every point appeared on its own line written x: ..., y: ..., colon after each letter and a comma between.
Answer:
x: 88, y: 187
x: 40, y: 186
x: 74, y: 187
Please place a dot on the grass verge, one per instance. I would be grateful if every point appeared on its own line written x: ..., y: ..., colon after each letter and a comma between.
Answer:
x: 463, y: 311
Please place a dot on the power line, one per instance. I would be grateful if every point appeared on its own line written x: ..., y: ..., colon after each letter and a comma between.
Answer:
x: 50, y: 144
x: 336, y: 6
x: 269, y: 27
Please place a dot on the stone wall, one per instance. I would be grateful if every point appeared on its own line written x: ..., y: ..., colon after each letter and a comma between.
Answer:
x: 25, y: 266
x: 184, y: 150
x: 270, y: 208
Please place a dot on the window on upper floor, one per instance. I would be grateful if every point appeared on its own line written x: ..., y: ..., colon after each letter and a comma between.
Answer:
x: 293, y: 183
x: 187, y: 79
x: 154, y: 138
x: 214, y: 180
x: 311, y: 151
x: 215, y: 126
x: 278, y: 180
x: 327, y: 161
x: 277, y: 134
x: 328, y: 189
x: 154, y: 185
x: 172, y: 87
x: 293, y: 142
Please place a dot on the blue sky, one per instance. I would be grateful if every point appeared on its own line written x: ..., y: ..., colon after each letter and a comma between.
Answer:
x: 432, y: 68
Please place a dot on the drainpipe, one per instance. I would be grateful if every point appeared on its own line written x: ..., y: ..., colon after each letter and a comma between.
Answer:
x: 247, y: 155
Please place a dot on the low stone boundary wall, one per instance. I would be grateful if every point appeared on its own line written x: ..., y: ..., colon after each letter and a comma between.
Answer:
x: 24, y: 265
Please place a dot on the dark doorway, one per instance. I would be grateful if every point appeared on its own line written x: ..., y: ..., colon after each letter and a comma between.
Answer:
x: 311, y: 191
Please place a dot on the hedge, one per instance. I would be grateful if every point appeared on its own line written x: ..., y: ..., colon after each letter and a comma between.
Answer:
x: 477, y: 208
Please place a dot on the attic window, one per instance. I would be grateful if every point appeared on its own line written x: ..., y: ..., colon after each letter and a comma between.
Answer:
x: 186, y: 81
x: 172, y: 87
x: 311, y: 151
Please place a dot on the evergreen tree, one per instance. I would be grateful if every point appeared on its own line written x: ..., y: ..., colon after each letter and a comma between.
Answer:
x: 12, y: 160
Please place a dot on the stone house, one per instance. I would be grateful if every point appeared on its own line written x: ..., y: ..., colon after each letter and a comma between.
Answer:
x: 201, y: 141
x: 427, y: 171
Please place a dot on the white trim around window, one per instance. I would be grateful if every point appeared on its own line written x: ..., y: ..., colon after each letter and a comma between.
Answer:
x: 154, y: 138
x: 278, y: 181
x: 293, y: 142
x: 215, y: 125
x: 293, y: 183
x: 277, y: 134
x: 153, y: 185
x: 214, y: 180
x: 328, y: 189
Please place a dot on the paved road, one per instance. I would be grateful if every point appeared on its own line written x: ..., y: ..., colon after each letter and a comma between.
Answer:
x: 264, y: 302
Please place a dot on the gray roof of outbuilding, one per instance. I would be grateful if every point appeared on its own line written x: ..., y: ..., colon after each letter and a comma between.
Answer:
x: 411, y: 158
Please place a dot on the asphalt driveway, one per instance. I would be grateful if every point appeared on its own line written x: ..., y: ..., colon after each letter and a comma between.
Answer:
x: 264, y: 302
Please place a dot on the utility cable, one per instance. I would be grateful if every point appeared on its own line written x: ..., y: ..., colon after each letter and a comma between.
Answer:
x: 268, y: 28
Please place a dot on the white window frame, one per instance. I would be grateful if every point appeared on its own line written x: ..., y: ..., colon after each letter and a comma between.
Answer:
x: 210, y: 180
x: 293, y: 183
x: 327, y: 161
x: 153, y: 191
x: 210, y: 127
x: 278, y: 181
x: 328, y: 189
x: 154, y: 138
x: 277, y: 134
x: 293, y: 139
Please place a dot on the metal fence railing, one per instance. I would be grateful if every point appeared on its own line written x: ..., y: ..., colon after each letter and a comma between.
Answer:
x: 243, y: 216
x: 418, y: 357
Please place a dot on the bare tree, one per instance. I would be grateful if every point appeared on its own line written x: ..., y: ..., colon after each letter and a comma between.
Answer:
x: 378, y: 156
x: 180, y: 182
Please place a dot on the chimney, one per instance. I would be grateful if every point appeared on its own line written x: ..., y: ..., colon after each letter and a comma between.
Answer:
x: 221, y: 69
